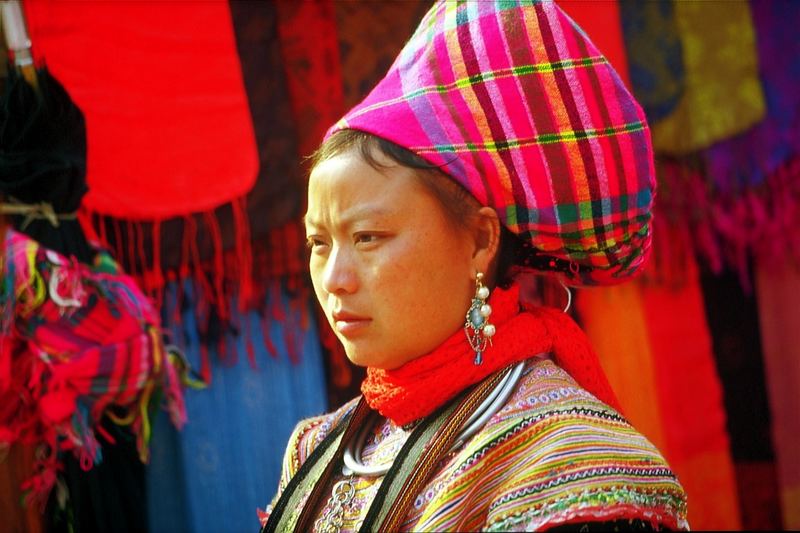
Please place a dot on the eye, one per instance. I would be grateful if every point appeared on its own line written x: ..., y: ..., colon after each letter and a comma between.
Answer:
x: 315, y: 243
x: 365, y: 239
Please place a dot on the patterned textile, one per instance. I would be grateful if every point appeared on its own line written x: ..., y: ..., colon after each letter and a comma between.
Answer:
x: 654, y: 55
x: 517, y: 105
x: 602, y: 23
x: 722, y: 93
x: 553, y: 455
x: 77, y: 343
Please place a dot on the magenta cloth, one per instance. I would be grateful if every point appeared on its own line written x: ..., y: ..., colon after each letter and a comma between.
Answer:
x: 515, y: 103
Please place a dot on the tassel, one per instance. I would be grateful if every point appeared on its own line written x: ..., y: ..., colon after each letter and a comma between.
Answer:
x: 218, y: 268
x: 248, y: 336
x: 268, y: 344
x: 244, y: 251
x: 205, y: 364
x: 133, y: 267
x: 156, y: 270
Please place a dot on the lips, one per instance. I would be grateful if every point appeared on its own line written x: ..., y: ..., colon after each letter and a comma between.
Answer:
x: 349, y: 324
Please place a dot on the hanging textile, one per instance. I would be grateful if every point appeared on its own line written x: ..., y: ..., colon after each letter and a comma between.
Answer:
x: 313, y: 73
x: 722, y: 94
x: 203, y: 223
x: 169, y: 130
x: 79, y: 343
x: 690, y: 396
x: 755, y: 177
x: 614, y: 321
x: 225, y: 463
x: 370, y: 38
x: 654, y: 52
x: 777, y: 287
x: 143, y: 80
x: 748, y: 160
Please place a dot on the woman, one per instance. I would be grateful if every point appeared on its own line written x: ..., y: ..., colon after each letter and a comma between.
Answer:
x: 500, y: 141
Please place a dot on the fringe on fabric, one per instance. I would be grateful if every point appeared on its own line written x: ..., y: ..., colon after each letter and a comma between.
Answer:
x: 223, y: 284
x: 725, y: 230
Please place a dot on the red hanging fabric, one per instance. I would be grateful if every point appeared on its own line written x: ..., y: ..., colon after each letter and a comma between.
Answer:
x: 690, y: 400
x: 168, y: 124
x: 777, y: 287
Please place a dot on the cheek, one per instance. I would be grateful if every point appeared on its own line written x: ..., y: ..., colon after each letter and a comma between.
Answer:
x: 316, y: 268
x: 427, y: 279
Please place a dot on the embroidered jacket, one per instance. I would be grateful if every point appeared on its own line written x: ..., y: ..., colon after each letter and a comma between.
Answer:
x: 553, y: 455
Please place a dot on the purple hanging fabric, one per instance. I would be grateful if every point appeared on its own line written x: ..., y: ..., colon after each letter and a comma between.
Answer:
x: 747, y: 160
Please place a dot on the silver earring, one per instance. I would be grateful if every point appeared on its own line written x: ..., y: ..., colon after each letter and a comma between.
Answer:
x: 477, y: 327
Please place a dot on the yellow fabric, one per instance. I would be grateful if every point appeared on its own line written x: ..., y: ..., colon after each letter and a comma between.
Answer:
x: 722, y: 94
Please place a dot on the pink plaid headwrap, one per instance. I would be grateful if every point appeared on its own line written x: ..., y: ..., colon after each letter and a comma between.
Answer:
x: 514, y: 102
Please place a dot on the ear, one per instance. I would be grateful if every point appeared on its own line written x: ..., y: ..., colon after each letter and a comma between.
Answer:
x: 487, y: 240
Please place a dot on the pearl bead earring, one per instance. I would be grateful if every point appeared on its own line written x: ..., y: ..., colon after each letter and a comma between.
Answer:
x: 477, y: 327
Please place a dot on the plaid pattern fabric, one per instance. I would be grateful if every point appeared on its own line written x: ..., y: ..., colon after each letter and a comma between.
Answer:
x: 514, y: 102
x: 77, y: 343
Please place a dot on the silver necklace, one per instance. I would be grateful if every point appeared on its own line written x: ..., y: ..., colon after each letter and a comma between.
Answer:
x: 487, y: 409
x: 344, y: 490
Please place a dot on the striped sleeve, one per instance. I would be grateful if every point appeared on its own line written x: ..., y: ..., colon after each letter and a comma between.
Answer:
x: 582, y: 465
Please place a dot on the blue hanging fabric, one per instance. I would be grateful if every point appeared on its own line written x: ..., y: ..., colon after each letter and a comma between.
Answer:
x: 225, y: 463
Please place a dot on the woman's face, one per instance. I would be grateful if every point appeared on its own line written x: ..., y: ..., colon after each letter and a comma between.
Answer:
x: 392, y: 274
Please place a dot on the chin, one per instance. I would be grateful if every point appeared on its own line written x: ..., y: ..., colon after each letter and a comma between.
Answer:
x: 372, y: 358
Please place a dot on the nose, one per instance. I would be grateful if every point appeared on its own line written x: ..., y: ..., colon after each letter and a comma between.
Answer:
x: 339, y: 275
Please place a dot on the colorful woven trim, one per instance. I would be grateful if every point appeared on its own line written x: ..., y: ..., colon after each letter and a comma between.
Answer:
x: 553, y: 455
x: 514, y: 102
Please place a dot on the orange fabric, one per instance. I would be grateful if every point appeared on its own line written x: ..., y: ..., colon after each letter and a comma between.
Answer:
x: 778, y: 287
x: 168, y: 124
x: 614, y: 321
x: 690, y: 396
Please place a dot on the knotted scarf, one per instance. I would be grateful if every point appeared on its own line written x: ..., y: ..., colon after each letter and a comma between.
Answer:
x: 417, y: 388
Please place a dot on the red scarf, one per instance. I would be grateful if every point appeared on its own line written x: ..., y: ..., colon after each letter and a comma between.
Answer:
x: 418, y: 387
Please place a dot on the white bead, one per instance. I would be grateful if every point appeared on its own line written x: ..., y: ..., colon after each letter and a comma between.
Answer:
x: 482, y: 293
x: 488, y: 330
x: 486, y: 310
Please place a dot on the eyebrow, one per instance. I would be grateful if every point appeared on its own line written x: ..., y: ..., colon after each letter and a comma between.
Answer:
x: 355, y: 213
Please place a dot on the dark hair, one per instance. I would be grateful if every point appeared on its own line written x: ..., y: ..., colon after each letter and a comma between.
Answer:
x: 458, y: 203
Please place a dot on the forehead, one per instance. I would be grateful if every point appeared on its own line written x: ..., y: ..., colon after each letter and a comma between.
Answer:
x: 347, y: 185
